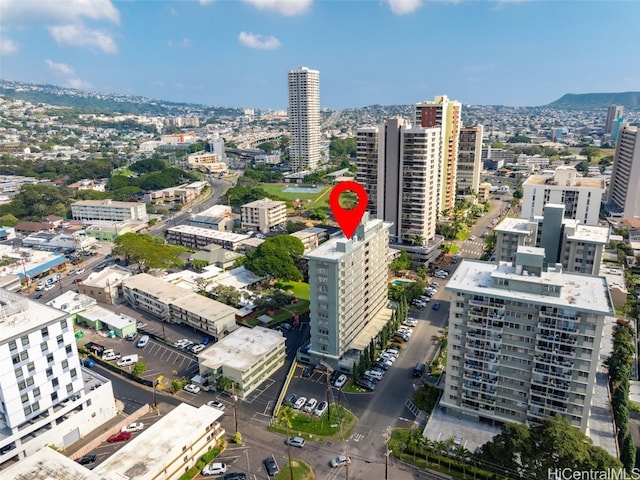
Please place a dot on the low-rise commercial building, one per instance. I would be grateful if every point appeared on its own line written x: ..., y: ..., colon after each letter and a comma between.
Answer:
x: 218, y: 217
x: 91, y: 211
x: 198, y: 237
x: 105, y: 286
x: 247, y: 357
x: 311, y: 237
x: 174, y: 304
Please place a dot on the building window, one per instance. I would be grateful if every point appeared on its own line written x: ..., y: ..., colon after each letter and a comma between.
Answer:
x: 69, y: 388
x: 45, y: 332
x: 30, y: 382
x: 68, y: 348
x: 55, y: 382
x: 19, y: 373
x: 13, y: 345
x: 44, y: 347
x: 31, y: 367
x: 73, y: 373
x: 59, y: 339
x: 50, y: 373
x: 50, y: 358
x: 36, y: 392
x: 25, y: 340
x: 63, y: 324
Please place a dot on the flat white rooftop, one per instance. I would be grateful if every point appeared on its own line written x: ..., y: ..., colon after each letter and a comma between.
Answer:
x: 581, y: 292
x: 513, y: 225
x: 590, y: 234
x: 47, y: 464
x: 19, y: 315
x: 208, y: 233
x: 116, y: 320
x: 144, y: 456
x: 264, y: 203
x: 110, y: 276
x: 241, y: 349
x: 72, y: 302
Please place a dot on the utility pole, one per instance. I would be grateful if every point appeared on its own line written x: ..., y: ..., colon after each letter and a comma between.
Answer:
x: 387, y: 436
x: 346, y: 466
x: 235, y: 405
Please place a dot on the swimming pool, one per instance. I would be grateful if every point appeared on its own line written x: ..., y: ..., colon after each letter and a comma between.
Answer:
x: 303, y: 189
x: 403, y: 283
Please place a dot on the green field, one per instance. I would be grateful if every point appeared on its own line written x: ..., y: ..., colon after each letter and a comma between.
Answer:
x: 318, y: 200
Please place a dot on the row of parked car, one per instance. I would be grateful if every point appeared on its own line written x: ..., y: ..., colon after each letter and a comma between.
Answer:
x: 371, y: 377
x: 186, y: 344
x: 303, y: 404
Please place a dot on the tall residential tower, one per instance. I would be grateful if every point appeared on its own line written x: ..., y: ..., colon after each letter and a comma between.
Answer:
x: 469, y: 160
x: 624, y: 196
x: 614, y: 113
x: 348, y: 292
x: 444, y: 114
x: 304, y: 118
x: 398, y: 167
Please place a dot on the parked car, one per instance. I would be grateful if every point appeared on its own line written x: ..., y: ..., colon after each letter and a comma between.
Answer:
x: 402, y: 336
x: 410, y: 322
x: 300, y: 403
x: 310, y: 405
x: 196, y: 348
x: 131, y: 336
x: 71, y: 272
x: 133, y: 427
x: 320, y: 409
x: 436, y: 306
x: 80, y: 271
x: 472, y: 238
x: 119, y: 437
x: 191, y: 388
x: 308, y: 370
x: 217, y: 405
x: 295, y: 442
x: 290, y: 399
x: 340, y: 461
x: 87, y: 459
x: 381, y: 365
x: 180, y: 343
x: 366, y: 384
x: 142, y: 342
x: 89, y: 362
x: 334, y: 376
x: 340, y: 381
x: 235, y: 476
x: 271, y: 466
x: 374, y: 374
x: 215, y: 468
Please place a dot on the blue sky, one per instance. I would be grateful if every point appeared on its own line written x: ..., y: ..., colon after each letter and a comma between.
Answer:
x: 236, y: 53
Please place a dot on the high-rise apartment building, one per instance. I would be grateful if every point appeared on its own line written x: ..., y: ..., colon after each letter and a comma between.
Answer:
x: 624, y: 195
x: 469, y: 160
x: 348, y: 291
x: 576, y: 246
x: 263, y: 215
x: 45, y: 397
x: 445, y: 115
x: 524, y: 343
x: 580, y: 195
x: 398, y: 166
x: 614, y: 113
x: 304, y: 118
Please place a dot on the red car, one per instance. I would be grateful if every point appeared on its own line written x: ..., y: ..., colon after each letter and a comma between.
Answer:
x: 119, y: 437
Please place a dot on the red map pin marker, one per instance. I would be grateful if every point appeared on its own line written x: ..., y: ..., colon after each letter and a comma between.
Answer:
x: 348, y: 219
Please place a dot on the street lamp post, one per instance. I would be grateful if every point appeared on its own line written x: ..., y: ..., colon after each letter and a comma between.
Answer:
x: 155, y: 384
x: 235, y: 406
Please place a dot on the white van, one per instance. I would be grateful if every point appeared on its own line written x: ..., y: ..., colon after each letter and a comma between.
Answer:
x: 143, y: 341
x: 128, y: 360
x: 110, y: 355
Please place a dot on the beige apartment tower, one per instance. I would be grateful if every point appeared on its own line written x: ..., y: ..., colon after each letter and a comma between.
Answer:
x: 263, y: 215
x: 397, y: 164
x: 304, y: 118
x: 624, y: 194
x: 524, y: 343
x: 444, y: 114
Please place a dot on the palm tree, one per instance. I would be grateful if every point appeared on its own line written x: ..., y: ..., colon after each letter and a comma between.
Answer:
x: 440, y: 447
x: 462, y: 454
x: 417, y: 240
x: 423, y: 443
x: 286, y: 416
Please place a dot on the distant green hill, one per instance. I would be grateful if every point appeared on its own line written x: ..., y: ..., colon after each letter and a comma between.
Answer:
x: 588, y: 101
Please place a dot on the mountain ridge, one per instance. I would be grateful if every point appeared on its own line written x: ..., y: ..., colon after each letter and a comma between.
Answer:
x: 589, y: 101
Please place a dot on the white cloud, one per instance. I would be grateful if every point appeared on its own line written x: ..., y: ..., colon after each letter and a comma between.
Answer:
x: 259, y: 42
x: 205, y: 2
x: 288, y: 8
x: 7, y: 46
x: 79, y: 84
x: 60, y: 68
x: 80, y: 36
x: 185, y: 43
x: 20, y: 12
x: 402, y: 7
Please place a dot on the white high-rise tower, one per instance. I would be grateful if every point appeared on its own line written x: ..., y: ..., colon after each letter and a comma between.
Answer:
x: 304, y: 118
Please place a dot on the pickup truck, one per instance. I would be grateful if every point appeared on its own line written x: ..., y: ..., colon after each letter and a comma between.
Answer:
x: 110, y: 355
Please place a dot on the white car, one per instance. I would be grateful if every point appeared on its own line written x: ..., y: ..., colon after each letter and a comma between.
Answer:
x: 49, y: 287
x: 340, y: 381
x: 310, y: 405
x: 191, y: 388
x: 472, y: 238
x: 180, y: 343
x: 410, y: 322
x: 320, y: 409
x: 196, y: 348
x: 300, y: 403
x: 80, y: 271
x: 340, y: 461
x: 215, y: 468
x: 216, y: 405
x: 388, y: 357
x: 133, y: 427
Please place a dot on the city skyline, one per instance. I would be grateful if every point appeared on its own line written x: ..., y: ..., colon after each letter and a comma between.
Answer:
x: 237, y: 54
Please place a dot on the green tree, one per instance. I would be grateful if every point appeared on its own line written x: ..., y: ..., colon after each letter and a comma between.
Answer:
x: 147, y: 251
x: 8, y: 220
x: 286, y: 416
x: 139, y: 368
x: 226, y: 294
x: 402, y: 262
x: 318, y: 214
x: 276, y: 257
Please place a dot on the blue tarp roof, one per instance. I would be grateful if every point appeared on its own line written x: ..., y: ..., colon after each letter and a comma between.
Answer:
x: 43, y: 267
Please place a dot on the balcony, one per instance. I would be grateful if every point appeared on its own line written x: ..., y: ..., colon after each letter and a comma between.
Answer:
x: 485, y: 303
x: 557, y: 327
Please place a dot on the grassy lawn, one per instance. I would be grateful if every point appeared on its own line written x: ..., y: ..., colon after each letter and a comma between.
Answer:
x: 426, y: 397
x: 299, y: 289
x: 310, y: 427
x: 453, y: 248
x: 277, y: 189
x: 301, y: 471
